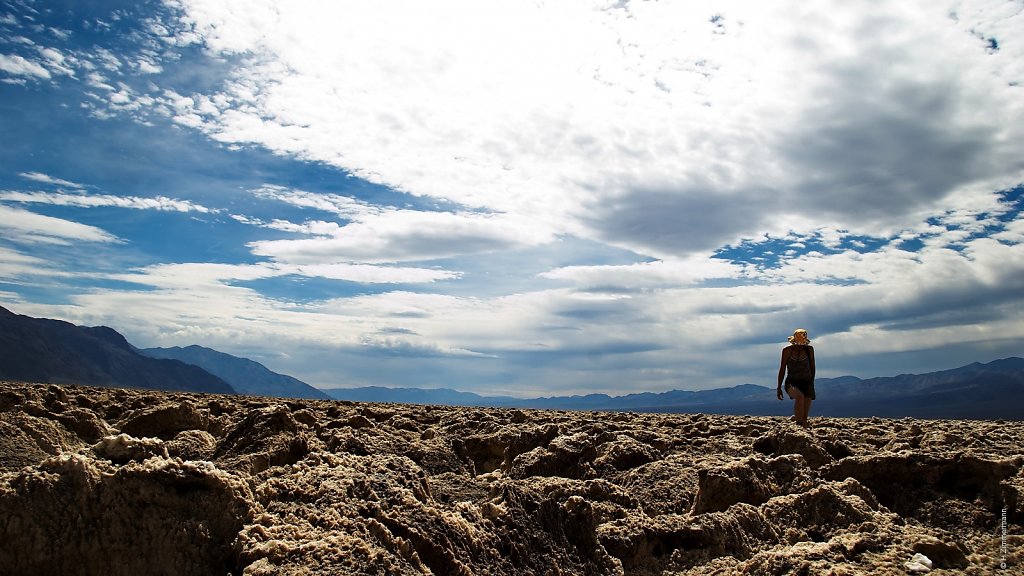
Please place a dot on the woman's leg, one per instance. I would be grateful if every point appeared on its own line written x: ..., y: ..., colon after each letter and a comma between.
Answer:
x: 806, y: 409
x: 798, y: 404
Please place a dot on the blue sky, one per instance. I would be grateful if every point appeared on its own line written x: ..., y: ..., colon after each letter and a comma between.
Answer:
x: 553, y: 198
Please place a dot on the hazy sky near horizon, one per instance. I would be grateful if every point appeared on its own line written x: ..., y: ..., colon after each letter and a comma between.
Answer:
x: 522, y: 198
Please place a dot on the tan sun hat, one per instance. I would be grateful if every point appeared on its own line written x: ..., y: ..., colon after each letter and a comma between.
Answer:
x: 799, y: 337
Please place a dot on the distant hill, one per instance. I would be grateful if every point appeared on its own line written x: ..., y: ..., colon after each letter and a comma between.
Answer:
x: 245, y: 376
x: 976, y: 391
x: 436, y: 396
x: 742, y: 399
x: 43, y: 350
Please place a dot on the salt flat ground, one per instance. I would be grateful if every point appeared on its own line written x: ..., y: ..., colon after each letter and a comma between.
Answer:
x: 114, y: 481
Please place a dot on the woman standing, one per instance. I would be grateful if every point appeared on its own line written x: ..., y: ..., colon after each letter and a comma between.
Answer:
x: 797, y: 367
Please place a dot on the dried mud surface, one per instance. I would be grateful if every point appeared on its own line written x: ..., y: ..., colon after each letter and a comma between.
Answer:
x: 112, y: 482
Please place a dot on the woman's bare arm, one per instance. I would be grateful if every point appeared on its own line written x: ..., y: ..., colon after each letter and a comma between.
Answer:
x: 782, y: 365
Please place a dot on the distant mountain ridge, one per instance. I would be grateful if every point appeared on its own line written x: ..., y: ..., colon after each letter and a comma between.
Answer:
x: 982, y: 391
x: 44, y: 350
x: 977, y: 391
x: 245, y: 376
x: 54, y: 351
x: 737, y: 399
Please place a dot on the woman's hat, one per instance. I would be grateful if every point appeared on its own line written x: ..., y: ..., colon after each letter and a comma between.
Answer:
x: 799, y: 337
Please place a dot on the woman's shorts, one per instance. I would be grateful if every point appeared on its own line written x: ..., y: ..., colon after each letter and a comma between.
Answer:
x: 806, y: 387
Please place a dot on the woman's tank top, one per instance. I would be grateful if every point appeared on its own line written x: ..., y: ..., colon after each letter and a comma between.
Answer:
x: 798, y: 366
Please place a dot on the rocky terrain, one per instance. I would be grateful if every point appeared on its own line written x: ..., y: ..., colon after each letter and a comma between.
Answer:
x: 115, y: 481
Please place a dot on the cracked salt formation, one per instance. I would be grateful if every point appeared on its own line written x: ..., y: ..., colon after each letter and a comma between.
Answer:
x: 112, y: 482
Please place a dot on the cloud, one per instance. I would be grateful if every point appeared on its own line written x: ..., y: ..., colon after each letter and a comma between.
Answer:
x: 227, y: 276
x: 47, y: 179
x: 20, y: 66
x: 369, y: 274
x: 16, y: 266
x: 666, y: 129
x: 28, y: 227
x: 638, y: 277
x: 343, y: 206
x: 380, y: 234
x: 603, y: 334
x: 591, y: 196
x: 408, y: 235
x: 160, y: 203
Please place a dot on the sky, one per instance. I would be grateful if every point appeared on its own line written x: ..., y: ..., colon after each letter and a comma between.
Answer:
x: 521, y: 198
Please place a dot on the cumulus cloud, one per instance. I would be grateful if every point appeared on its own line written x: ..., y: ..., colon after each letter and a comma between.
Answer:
x: 738, y: 169
x: 670, y: 129
x: 20, y: 66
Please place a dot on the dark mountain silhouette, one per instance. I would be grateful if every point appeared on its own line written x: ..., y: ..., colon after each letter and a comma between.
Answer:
x: 43, y: 350
x: 245, y: 376
x: 976, y: 391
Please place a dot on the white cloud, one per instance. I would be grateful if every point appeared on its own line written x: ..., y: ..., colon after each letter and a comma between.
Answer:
x: 218, y: 277
x: 29, y: 227
x: 377, y: 234
x: 107, y: 60
x: 660, y: 333
x: 369, y: 274
x: 409, y: 235
x: 646, y: 125
x: 312, y: 228
x: 644, y: 276
x: 207, y: 303
x: 47, y: 179
x: 16, y: 266
x: 653, y: 127
x: 344, y: 206
x: 201, y: 276
x: 20, y: 66
x: 57, y: 62
x: 1013, y: 231
x: 161, y: 203
x: 147, y: 67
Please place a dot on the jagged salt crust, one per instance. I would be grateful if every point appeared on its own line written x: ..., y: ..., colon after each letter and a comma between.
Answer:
x: 112, y: 482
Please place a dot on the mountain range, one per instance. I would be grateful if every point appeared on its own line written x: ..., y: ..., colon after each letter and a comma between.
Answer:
x: 245, y: 376
x: 977, y: 391
x: 44, y: 350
